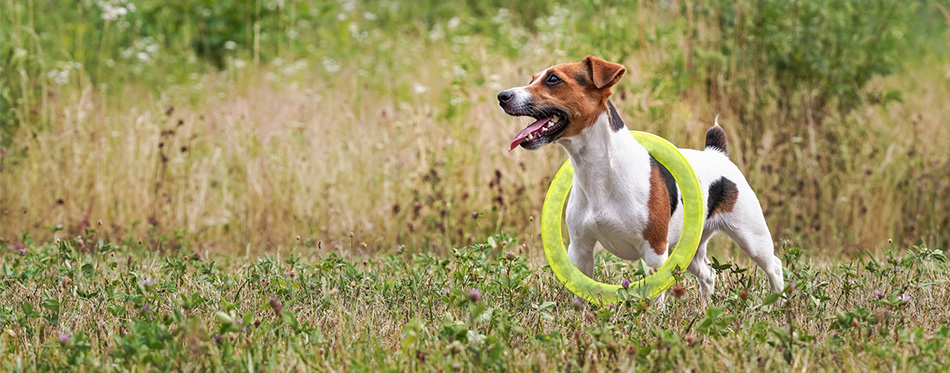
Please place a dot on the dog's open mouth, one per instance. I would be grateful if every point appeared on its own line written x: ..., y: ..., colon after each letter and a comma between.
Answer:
x: 546, y: 129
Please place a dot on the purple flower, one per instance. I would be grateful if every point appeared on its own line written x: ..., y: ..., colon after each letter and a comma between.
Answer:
x: 474, y: 295
x: 445, y: 292
x: 904, y: 298
x: 217, y: 338
x: 147, y: 281
x: 21, y: 250
x: 577, y: 304
x: 275, y: 305
x: 878, y: 294
x: 63, y: 338
x: 145, y: 309
x: 197, y: 256
x: 625, y: 283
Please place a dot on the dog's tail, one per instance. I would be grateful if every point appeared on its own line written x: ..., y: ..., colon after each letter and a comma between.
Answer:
x: 716, y: 138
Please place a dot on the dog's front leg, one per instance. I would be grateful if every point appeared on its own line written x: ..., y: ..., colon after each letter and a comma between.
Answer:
x: 581, y: 253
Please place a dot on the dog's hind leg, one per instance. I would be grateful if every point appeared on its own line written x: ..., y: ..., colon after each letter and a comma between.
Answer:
x: 754, y: 238
x: 703, y: 271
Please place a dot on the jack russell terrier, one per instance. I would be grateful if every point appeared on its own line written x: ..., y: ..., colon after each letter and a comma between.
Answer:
x: 621, y: 196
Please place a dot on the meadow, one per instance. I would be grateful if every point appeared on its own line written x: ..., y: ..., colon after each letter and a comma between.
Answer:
x: 325, y: 185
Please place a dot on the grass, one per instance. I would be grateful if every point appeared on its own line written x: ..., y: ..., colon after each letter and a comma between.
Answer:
x: 86, y: 304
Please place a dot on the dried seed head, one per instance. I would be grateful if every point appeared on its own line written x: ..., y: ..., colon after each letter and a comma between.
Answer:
x: 744, y: 294
x: 99, y: 222
x: 590, y: 316
x: 690, y: 340
x: 351, y: 234
x: 679, y: 291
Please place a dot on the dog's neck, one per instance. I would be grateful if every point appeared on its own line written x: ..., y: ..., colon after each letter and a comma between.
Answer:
x: 606, y: 158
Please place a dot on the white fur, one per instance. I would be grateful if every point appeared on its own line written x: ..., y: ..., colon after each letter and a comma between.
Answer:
x: 608, y: 204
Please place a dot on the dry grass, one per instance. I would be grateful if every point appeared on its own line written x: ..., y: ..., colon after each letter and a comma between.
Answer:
x: 257, y: 161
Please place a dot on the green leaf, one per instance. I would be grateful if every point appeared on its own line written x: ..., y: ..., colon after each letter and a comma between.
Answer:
x: 223, y: 317
x: 771, y: 298
x: 51, y: 304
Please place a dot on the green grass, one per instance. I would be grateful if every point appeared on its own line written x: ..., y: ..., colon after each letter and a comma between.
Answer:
x: 85, y: 304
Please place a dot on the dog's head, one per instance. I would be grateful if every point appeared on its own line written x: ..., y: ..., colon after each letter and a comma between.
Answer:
x: 564, y: 100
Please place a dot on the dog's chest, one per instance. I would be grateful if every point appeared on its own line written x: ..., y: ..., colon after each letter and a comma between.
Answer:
x: 617, y: 221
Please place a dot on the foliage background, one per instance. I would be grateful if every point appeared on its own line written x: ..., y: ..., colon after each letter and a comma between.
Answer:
x: 288, y: 184
x: 251, y: 122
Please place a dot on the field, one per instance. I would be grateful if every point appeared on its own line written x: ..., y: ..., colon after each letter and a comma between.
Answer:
x: 276, y: 185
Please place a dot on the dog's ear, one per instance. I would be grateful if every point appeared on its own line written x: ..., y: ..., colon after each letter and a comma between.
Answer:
x: 604, y: 74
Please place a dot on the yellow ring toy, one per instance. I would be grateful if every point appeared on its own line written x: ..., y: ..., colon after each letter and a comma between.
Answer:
x: 679, y: 259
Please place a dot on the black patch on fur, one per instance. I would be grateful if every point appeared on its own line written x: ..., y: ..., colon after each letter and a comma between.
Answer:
x: 722, y: 192
x: 716, y: 139
x: 670, y: 184
x: 616, y: 123
x: 581, y: 79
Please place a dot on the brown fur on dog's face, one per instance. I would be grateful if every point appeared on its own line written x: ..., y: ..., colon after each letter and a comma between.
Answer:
x: 579, y: 89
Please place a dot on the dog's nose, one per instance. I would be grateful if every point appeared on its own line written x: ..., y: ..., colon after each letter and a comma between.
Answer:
x: 505, y: 96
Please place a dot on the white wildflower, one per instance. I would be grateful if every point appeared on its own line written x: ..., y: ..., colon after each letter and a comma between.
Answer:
x: 330, y: 65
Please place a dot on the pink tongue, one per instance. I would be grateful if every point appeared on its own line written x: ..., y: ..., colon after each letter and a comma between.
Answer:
x: 527, y: 131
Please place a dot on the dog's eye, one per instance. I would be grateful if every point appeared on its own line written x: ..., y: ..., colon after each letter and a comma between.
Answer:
x: 552, y: 80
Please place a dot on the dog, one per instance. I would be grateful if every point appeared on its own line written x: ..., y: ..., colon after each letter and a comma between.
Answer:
x: 621, y: 196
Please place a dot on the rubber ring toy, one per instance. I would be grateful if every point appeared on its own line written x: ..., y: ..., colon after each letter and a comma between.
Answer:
x: 679, y: 259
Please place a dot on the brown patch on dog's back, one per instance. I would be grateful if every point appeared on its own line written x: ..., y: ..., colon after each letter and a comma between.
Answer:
x: 723, y: 194
x: 659, y: 210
